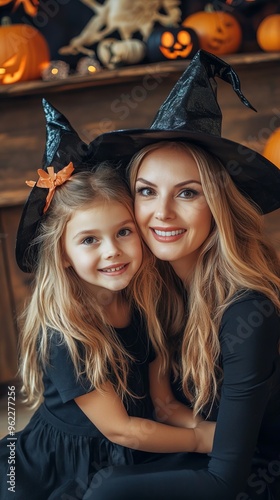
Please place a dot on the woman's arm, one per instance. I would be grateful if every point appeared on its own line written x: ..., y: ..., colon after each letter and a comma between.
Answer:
x: 107, y: 412
x: 249, y: 348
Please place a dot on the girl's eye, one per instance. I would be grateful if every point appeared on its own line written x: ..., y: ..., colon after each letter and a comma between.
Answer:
x: 89, y: 240
x: 125, y: 232
x: 188, y: 193
x: 145, y: 191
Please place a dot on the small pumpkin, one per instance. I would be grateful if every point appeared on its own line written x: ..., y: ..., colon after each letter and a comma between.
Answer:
x: 219, y: 32
x: 24, y: 53
x: 268, y: 33
x: 272, y: 147
x: 172, y: 43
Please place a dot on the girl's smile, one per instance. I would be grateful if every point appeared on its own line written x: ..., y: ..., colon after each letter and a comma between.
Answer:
x: 117, y: 269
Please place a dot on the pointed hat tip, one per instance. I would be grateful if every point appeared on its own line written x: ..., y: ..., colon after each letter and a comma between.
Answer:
x: 192, y: 103
x: 55, y: 119
x: 47, y: 106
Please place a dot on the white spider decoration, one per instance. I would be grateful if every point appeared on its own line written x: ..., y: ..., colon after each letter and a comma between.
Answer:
x: 126, y: 17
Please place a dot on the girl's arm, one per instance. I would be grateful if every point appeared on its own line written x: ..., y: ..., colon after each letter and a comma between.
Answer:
x: 168, y: 409
x: 107, y: 412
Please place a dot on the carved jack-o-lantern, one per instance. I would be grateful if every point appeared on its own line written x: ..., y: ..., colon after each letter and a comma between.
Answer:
x: 24, y: 53
x: 218, y: 31
x: 173, y: 43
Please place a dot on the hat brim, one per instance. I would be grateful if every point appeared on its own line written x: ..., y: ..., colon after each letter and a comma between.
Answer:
x: 255, y: 176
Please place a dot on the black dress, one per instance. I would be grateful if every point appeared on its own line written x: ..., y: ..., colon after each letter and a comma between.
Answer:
x: 245, y: 460
x: 60, y: 444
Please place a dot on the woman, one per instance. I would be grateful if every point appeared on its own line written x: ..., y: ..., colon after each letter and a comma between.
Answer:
x: 199, y: 201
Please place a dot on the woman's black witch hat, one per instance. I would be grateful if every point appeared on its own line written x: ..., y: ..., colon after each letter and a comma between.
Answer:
x: 192, y: 114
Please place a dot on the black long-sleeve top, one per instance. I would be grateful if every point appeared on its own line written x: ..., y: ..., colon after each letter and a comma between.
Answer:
x: 245, y: 460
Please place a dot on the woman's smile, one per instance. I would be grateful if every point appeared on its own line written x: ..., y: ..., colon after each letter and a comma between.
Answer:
x: 167, y: 234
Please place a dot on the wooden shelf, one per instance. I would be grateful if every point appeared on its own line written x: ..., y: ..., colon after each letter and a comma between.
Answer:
x: 124, y: 74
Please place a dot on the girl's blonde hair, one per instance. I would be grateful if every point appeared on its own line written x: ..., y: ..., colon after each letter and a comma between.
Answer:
x: 61, y: 301
x: 235, y: 257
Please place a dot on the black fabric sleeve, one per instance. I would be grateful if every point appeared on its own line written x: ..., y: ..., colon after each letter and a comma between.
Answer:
x: 60, y: 370
x: 249, y: 344
x: 249, y: 337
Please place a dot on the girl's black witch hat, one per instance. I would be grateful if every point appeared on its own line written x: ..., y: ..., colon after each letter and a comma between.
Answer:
x: 63, y: 145
x: 191, y: 113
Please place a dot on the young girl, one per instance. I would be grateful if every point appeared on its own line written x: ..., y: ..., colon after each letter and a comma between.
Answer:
x: 84, y: 347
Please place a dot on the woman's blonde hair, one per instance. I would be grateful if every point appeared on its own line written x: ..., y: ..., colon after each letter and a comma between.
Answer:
x: 234, y: 258
x: 61, y: 301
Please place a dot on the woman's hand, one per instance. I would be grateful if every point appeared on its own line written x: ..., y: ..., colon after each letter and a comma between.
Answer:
x: 204, y: 432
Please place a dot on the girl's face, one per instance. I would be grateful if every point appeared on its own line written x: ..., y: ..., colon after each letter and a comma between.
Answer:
x: 102, y: 245
x: 170, y: 207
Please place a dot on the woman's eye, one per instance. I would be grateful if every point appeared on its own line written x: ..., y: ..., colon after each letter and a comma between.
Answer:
x: 125, y: 232
x: 144, y: 191
x: 89, y: 240
x: 188, y: 193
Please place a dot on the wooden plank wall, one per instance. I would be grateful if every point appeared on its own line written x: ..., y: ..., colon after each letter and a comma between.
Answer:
x: 125, y: 98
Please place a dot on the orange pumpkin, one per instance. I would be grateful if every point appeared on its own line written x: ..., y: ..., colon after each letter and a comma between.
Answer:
x: 268, y: 33
x: 218, y: 31
x: 24, y: 53
x: 272, y: 148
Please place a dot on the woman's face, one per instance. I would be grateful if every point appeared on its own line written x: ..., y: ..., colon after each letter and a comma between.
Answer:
x: 170, y: 207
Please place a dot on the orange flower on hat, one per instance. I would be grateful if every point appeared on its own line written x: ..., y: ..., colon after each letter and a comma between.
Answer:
x: 51, y: 180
